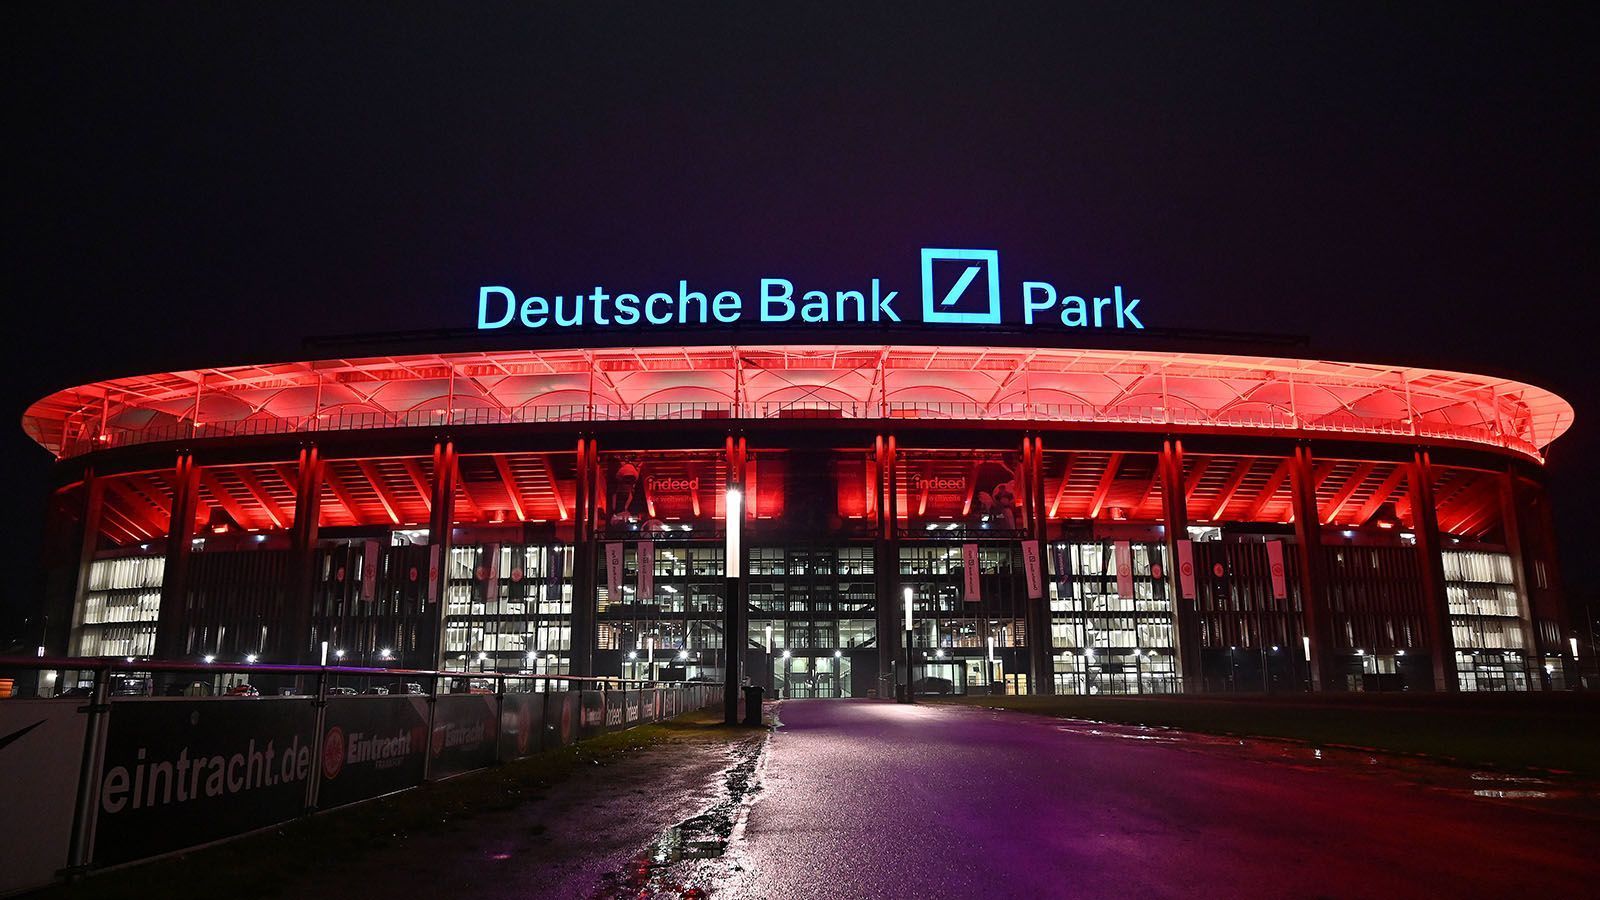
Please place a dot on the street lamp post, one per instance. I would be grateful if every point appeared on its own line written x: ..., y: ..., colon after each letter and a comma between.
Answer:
x: 733, y: 639
x: 772, y: 684
x: 908, y: 696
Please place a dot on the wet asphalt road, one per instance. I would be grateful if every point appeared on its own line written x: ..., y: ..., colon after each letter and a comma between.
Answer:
x: 872, y: 799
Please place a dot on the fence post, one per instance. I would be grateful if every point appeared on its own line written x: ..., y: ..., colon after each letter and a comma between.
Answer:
x: 80, y: 850
x: 544, y: 718
x: 433, y: 705
x: 320, y: 730
x: 499, y: 716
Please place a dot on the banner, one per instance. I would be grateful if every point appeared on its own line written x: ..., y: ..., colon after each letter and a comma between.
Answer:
x: 647, y: 571
x: 1124, y: 553
x: 491, y: 572
x: 521, y: 724
x: 1280, y: 584
x: 1186, y: 588
x: 566, y: 709
x: 184, y: 772
x: 39, y: 757
x: 372, y: 746
x: 592, y: 717
x: 465, y: 728
x: 556, y: 572
x: 971, y: 575
x: 1030, y: 565
x: 1061, y: 562
x: 614, y: 571
x: 434, y: 552
x: 369, y: 570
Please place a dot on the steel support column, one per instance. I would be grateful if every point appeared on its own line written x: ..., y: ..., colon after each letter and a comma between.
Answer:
x: 1316, y: 612
x: 58, y: 629
x: 294, y: 641
x: 1511, y: 524
x: 172, y: 629
x: 1041, y: 650
x: 441, y: 524
x: 584, y: 595
x: 890, y: 592
x: 1185, y: 611
x: 880, y: 551
x: 1430, y: 563
x: 734, y: 628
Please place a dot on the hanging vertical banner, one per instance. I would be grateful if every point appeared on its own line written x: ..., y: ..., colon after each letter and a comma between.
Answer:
x: 553, y: 574
x: 1061, y: 561
x: 1030, y: 565
x: 971, y: 582
x: 1124, y: 552
x: 491, y: 573
x: 1186, y: 587
x: 434, y: 553
x: 369, y: 571
x: 647, y: 571
x: 557, y: 569
x: 614, y: 571
x: 1280, y: 584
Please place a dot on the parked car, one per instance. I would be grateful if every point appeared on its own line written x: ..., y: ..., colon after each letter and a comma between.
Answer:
x: 377, y: 689
x: 341, y: 691
x: 934, y: 685
x: 405, y: 687
x: 243, y: 690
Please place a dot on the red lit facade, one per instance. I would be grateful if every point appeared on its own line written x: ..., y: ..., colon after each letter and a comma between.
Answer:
x: 1349, y: 526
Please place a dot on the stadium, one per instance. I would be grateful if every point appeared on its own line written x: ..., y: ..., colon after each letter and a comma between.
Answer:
x: 1147, y: 513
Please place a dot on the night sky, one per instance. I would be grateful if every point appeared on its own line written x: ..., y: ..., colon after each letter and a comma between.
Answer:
x: 201, y: 184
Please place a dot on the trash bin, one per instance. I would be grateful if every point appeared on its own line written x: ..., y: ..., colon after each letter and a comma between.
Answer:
x: 752, y: 704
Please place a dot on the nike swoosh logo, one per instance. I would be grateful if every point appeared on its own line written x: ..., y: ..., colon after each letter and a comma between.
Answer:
x: 15, y: 735
x: 960, y: 286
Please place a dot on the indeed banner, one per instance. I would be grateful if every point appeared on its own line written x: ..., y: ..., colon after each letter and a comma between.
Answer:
x: 956, y: 287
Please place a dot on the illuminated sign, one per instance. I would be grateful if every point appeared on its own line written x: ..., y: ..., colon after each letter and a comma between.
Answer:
x: 937, y: 484
x: 672, y: 485
x: 959, y: 287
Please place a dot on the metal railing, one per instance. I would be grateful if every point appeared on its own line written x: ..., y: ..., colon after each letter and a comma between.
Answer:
x: 1175, y: 414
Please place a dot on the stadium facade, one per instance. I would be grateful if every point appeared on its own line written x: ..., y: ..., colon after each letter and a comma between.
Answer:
x: 1160, y: 514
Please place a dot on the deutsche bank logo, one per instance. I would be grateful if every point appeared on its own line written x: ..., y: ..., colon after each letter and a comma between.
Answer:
x: 961, y: 286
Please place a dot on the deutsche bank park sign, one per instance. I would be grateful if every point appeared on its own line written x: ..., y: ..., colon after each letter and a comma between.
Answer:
x: 959, y: 287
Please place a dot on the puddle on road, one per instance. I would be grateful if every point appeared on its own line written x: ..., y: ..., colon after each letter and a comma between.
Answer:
x: 671, y: 865
x: 1419, y: 771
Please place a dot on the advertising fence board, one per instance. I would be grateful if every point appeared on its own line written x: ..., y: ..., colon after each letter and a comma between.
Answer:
x: 372, y: 746
x: 184, y: 772
x: 521, y: 724
x: 465, y: 732
x: 562, y: 723
x: 41, y: 748
x: 179, y: 772
x: 593, y: 720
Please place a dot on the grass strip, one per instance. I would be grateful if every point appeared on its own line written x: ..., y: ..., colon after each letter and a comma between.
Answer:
x: 1549, y: 732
